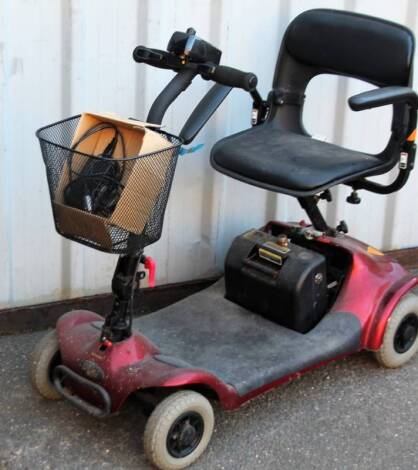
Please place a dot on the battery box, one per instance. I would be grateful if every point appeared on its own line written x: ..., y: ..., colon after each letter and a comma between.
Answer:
x: 275, y: 278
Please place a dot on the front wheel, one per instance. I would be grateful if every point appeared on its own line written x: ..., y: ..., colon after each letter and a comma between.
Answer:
x: 45, y: 357
x: 400, y: 341
x: 178, y: 430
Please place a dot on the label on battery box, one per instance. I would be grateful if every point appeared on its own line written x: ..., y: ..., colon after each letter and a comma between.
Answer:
x: 271, y: 251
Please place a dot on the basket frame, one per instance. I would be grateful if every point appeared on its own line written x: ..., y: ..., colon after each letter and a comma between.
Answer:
x: 142, y: 238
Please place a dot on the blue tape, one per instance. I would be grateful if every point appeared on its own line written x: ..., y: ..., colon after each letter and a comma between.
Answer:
x: 195, y: 148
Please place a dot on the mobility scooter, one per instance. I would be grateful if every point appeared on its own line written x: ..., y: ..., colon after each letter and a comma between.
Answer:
x: 293, y: 296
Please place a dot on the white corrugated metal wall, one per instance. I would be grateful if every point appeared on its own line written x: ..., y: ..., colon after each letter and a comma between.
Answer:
x: 61, y: 57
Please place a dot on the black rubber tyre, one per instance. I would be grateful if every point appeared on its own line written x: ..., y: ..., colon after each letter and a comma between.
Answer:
x: 45, y: 356
x: 400, y: 341
x: 179, y: 430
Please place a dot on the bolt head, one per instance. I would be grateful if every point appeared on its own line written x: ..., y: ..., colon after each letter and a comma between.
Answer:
x: 318, y: 278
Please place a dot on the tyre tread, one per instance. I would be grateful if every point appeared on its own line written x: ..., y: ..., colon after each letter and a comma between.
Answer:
x: 166, y: 412
x: 386, y: 356
x: 42, y: 355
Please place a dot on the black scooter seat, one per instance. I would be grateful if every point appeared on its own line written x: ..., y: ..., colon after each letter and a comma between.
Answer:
x: 241, y: 348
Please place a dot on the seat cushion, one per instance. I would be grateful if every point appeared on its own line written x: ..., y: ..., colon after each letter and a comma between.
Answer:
x: 290, y: 163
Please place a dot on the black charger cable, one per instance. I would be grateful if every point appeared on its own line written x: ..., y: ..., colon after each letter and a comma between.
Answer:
x: 97, y: 187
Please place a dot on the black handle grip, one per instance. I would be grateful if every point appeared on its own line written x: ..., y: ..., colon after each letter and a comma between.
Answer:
x: 233, y: 77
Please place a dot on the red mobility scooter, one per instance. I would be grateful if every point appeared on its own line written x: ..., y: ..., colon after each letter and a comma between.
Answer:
x: 294, y: 295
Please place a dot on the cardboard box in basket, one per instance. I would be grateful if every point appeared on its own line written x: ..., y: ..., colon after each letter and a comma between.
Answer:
x: 143, y: 179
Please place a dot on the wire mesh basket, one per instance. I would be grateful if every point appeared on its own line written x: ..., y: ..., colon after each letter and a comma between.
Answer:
x: 115, y: 205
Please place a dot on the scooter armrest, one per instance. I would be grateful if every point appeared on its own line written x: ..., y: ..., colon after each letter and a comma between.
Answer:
x: 382, y: 97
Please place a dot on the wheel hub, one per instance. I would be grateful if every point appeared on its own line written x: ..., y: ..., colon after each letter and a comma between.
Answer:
x: 185, y: 434
x: 406, y: 334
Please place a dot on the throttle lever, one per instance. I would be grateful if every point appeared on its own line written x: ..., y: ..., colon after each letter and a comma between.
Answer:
x: 155, y: 57
x: 142, y: 52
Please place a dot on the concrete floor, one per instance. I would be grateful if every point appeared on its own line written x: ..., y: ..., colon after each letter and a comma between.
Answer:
x: 347, y: 415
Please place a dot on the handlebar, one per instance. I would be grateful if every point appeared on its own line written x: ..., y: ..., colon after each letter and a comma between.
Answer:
x: 218, y: 73
x: 188, y: 56
x: 232, y: 77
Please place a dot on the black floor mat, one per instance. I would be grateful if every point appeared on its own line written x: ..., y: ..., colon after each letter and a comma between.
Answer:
x: 241, y: 348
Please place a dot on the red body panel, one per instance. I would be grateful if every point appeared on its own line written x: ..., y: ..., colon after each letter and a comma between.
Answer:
x: 372, y: 288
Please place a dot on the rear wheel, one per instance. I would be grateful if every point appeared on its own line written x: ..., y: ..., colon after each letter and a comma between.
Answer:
x: 400, y: 341
x: 45, y: 357
x: 179, y: 430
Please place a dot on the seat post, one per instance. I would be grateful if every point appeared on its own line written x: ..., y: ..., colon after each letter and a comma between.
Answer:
x: 309, y: 205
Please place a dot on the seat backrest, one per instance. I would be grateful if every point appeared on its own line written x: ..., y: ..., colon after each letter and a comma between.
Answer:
x: 342, y: 43
x: 350, y: 44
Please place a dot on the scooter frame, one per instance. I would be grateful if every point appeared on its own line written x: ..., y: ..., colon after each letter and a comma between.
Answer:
x: 373, y: 286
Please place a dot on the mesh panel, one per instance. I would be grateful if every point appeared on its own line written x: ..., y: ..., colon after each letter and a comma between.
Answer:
x: 114, y: 205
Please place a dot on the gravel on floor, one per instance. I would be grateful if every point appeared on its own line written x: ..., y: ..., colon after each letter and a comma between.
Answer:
x: 350, y: 414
